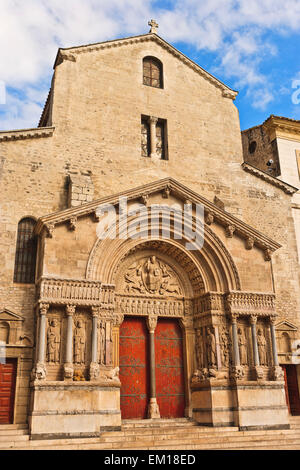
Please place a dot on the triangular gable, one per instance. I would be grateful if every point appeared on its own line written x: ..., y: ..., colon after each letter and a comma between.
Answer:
x: 286, y: 326
x: 7, y: 315
x: 72, y: 52
x: 213, y: 213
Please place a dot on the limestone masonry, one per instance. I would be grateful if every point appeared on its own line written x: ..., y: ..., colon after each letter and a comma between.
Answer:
x: 101, y: 330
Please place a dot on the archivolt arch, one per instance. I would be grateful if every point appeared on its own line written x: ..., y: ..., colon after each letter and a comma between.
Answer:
x: 212, y: 266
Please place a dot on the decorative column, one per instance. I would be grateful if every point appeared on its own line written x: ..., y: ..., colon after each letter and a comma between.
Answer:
x: 258, y: 369
x: 277, y: 372
x: 40, y: 370
x: 94, y: 366
x: 68, y: 367
x: 153, y: 121
x: 153, y: 409
x: 237, y: 371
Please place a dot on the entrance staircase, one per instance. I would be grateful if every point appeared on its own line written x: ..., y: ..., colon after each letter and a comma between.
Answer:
x: 172, y: 434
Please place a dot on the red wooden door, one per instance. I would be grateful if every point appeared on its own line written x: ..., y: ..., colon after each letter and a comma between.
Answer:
x: 134, y: 370
x: 7, y: 390
x: 292, y: 389
x: 169, y: 369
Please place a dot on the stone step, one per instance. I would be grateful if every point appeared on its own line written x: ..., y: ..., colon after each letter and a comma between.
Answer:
x: 13, y: 432
x: 155, y: 423
x: 12, y: 427
x: 14, y: 438
x: 204, y: 442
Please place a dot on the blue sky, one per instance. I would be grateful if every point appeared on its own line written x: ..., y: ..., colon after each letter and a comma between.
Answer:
x: 251, y: 45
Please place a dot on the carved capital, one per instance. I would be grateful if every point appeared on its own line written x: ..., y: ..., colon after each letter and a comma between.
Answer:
x: 117, y: 320
x: 95, y: 311
x: 153, y: 120
x: 273, y: 319
x: 253, y: 319
x: 44, y: 309
x: 70, y: 309
x: 151, y: 323
x: 234, y: 317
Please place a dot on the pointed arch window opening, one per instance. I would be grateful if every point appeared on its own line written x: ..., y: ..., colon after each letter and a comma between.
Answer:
x: 26, y: 249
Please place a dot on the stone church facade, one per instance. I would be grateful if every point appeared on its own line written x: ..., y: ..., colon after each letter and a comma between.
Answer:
x: 97, y: 330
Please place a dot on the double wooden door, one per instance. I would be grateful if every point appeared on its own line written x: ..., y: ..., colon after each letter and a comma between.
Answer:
x: 7, y: 390
x: 135, y: 368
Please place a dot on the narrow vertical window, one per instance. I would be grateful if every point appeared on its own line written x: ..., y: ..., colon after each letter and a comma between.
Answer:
x: 145, y: 135
x: 152, y: 72
x: 25, y: 260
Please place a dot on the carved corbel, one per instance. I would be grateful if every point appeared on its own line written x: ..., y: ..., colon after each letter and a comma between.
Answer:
x: 73, y: 223
x: 230, y: 229
x: 209, y: 218
x: 50, y: 230
x: 166, y: 192
x: 145, y: 199
x: 249, y: 243
x: 267, y: 254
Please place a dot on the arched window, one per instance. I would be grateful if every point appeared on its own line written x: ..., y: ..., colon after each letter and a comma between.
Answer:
x: 152, y: 72
x: 25, y: 259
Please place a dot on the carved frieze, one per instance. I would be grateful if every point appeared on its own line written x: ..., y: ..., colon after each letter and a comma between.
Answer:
x: 248, y: 303
x: 129, y: 305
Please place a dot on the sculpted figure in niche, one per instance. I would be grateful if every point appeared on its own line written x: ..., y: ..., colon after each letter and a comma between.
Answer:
x: 242, y: 342
x: 211, y: 349
x: 53, y: 342
x: 199, y: 349
x: 262, y: 349
x: 101, y: 342
x: 79, y: 343
x: 225, y: 347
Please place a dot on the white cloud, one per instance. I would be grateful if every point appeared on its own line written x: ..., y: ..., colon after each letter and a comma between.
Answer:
x: 234, y: 30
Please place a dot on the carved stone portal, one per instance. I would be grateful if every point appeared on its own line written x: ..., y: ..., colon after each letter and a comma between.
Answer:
x: 151, y: 276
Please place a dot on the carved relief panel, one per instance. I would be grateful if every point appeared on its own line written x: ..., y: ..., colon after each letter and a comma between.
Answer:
x: 151, y: 276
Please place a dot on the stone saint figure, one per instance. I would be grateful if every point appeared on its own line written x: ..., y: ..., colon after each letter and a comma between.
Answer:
x: 224, y: 343
x: 79, y: 343
x: 53, y: 342
x: 262, y: 350
x: 152, y: 275
x: 211, y: 348
x: 199, y: 349
x: 242, y: 347
x: 102, y: 342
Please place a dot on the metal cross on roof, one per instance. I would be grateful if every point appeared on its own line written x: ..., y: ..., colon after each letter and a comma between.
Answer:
x: 154, y: 26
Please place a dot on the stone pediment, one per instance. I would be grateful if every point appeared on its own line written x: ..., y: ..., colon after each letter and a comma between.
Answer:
x: 7, y: 315
x: 167, y: 188
x: 286, y: 326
